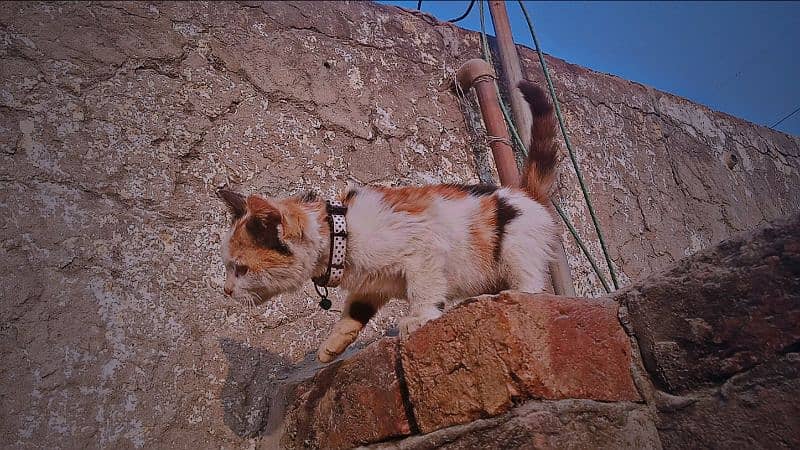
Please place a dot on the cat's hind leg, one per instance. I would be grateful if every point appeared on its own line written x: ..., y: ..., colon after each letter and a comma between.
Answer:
x: 524, y: 257
x: 527, y: 280
x: 358, y: 310
x: 426, y: 292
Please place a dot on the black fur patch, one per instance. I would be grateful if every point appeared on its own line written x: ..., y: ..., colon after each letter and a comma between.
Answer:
x: 308, y: 197
x: 350, y: 196
x: 478, y: 190
x: 505, y: 214
x: 361, y: 311
x: 265, y: 234
x: 237, y: 204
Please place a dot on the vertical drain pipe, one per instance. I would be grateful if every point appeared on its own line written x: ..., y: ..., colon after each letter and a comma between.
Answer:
x: 512, y: 70
x: 560, y: 275
x: 479, y: 74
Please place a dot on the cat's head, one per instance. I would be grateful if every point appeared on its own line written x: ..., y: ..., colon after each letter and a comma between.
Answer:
x: 271, y: 247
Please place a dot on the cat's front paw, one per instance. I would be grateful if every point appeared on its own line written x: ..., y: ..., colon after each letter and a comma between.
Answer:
x: 344, y: 333
x: 409, y: 325
x: 325, y: 355
x: 332, y: 348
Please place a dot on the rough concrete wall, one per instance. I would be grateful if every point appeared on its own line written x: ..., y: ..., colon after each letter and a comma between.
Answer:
x: 119, y: 120
x: 668, y: 177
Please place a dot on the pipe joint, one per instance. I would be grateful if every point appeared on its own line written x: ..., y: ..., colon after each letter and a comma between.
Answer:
x: 474, y: 71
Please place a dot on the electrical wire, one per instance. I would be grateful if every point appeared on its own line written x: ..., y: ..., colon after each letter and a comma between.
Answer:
x: 466, y: 13
x: 790, y: 115
x: 487, y: 55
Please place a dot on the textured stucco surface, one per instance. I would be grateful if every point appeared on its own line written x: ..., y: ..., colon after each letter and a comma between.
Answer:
x: 118, y: 121
x: 668, y: 177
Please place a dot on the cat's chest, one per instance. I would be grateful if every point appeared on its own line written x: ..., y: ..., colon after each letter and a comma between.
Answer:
x: 388, y: 282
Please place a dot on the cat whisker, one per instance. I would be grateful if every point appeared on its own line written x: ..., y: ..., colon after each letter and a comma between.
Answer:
x: 247, y: 302
x: 259, y: 297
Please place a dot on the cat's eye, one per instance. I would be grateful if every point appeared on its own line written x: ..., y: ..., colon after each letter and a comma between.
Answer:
x: 239, y: 270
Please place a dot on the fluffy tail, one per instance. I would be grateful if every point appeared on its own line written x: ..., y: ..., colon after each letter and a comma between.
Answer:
x: 540, y: 168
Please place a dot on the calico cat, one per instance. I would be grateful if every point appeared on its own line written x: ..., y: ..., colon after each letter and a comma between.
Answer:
x: 429, y: 245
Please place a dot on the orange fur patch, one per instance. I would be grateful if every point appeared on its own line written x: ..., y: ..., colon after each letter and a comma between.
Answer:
x: 416, y: 200
x: 243, y: 247
x: 482, y: 231
x: 261, y: 207
x: 292, y: 219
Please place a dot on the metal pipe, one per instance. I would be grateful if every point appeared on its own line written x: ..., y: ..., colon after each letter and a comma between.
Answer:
x: 479, y: 74
x: 512, y: 70
x: 560, y: 275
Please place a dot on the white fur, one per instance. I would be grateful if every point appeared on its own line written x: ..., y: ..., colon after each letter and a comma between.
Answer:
x: 428, y: 260
x: 432, y: 252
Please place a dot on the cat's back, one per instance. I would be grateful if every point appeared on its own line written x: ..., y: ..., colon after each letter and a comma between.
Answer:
x: 441, y: 208
x: 415, y: 200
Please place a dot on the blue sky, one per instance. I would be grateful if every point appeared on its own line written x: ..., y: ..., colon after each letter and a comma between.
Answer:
x: 742, y: 58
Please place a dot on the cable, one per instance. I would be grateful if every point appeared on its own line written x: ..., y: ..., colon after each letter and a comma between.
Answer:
x: 790, y: 115
x: 466, y: 13
x: 571, y: 152
x: 583, y: 248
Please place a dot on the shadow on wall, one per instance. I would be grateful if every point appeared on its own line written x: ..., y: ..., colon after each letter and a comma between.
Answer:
x: 254, y: 395
x: 255, y: 378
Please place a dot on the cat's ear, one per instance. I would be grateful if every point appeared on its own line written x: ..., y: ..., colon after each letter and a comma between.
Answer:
x: 264, y: 224
x: 237, y: 204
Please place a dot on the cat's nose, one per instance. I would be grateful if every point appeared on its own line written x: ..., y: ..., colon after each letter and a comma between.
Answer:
x: 228, y: 291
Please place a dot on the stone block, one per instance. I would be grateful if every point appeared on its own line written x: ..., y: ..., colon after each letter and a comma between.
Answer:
x: 492, y: 351
x: 754, y: 409
x: 546, y: 424
x: 721, y: 311
x: 350, y: 402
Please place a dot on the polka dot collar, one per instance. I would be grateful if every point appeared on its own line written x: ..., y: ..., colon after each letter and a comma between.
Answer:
x: 338, y: 226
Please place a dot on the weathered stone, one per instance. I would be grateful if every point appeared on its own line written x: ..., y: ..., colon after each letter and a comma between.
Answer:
x: 755, y: 409
x: 480, y: 357
x: 249, y: 386
x: 350, y: 402
x: 546, y: 424
x: 721, y: 311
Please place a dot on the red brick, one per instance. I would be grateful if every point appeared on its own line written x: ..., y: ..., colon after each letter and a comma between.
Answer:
x: 348, y: 403
x: 480, y: 357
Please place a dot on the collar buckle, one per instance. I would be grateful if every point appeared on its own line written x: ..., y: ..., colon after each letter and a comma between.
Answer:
x: 324, y: 302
